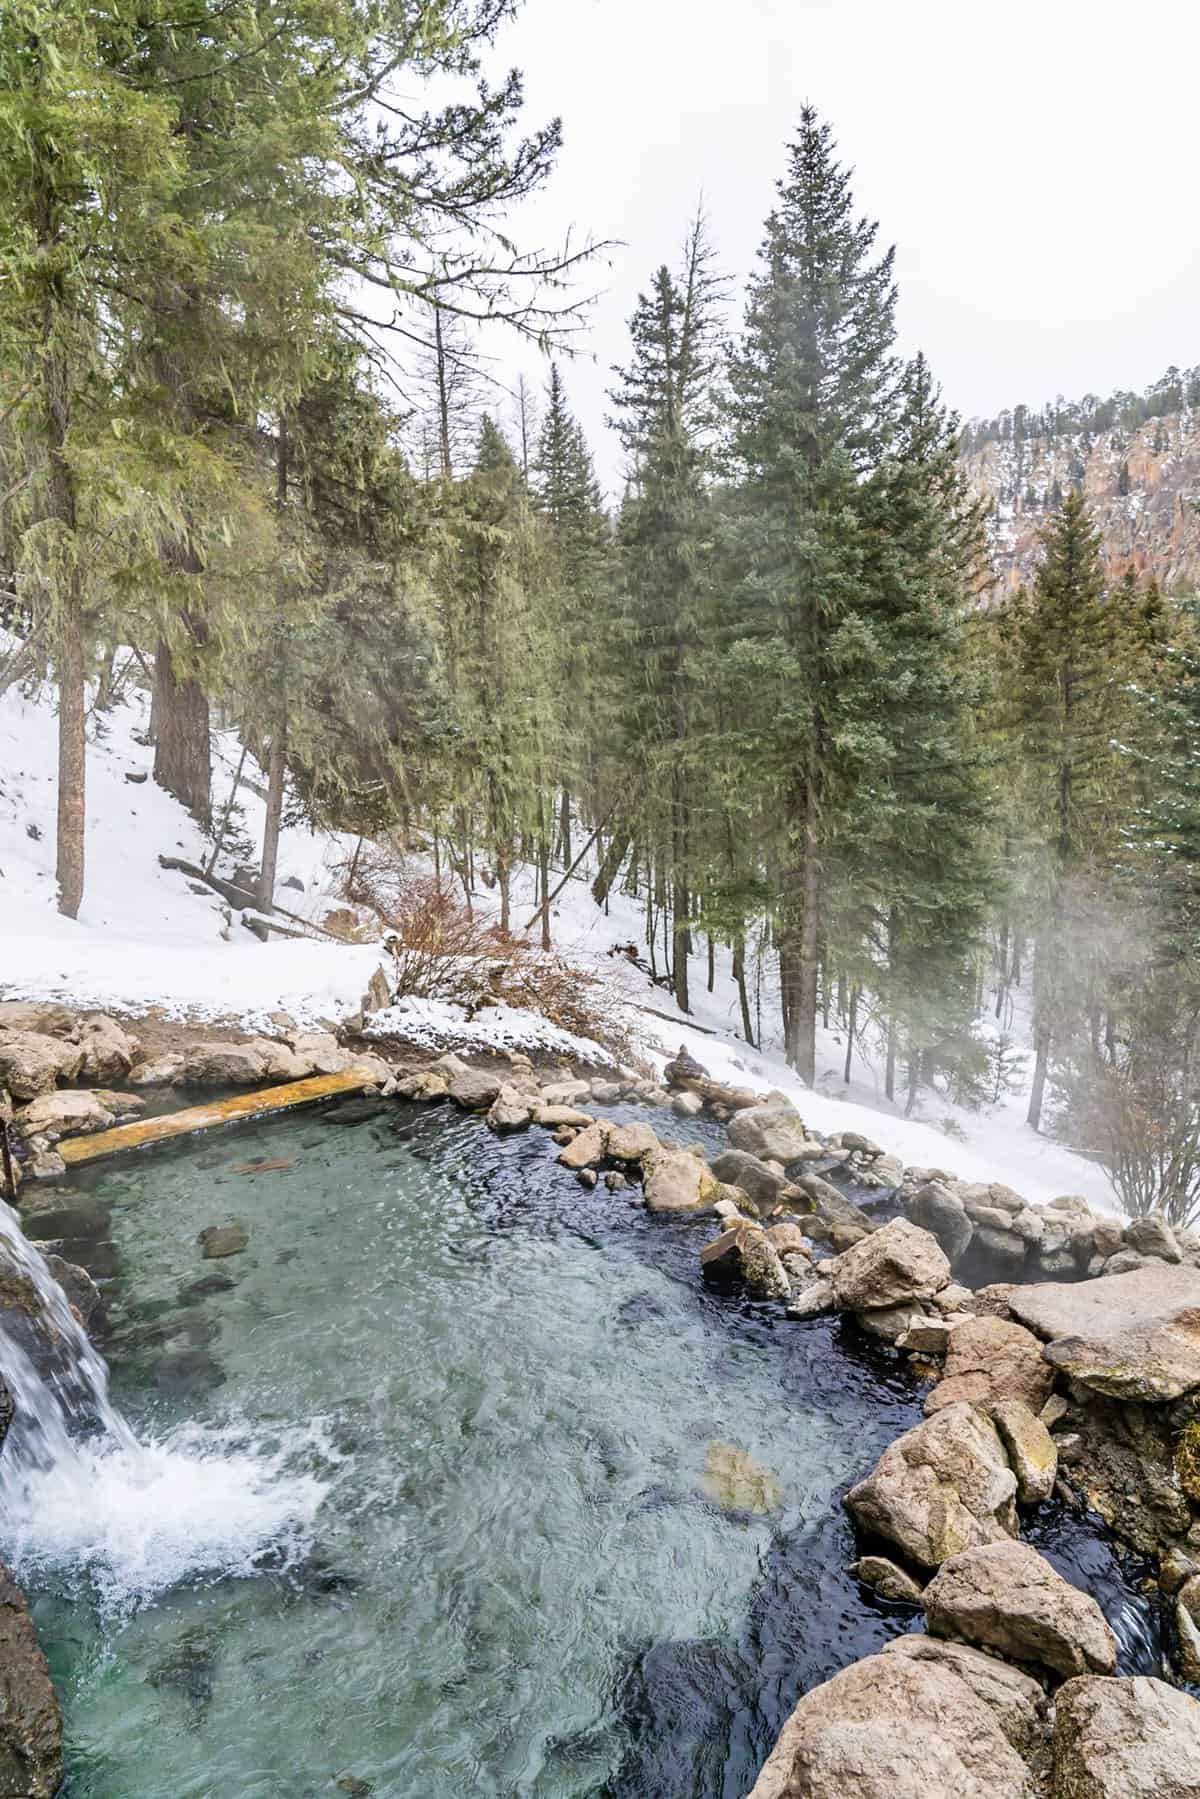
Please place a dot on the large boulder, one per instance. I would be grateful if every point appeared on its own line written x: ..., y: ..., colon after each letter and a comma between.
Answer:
x: 893, y: 1727
x: 1017, y: 1701
x: 940, y: 1488
x: 32, y: 1064
x: 632, y: 1142
x: 1132, y: 1336
x: 475, y: 1089
x: 510, y: 1111
x: 222, y: 1064
x: 31, y: 1729
x: 1006, y: 1597
x: 763, y: 1183
x: 892, y: 1266
x: 774, y: 1132
x: 991, y: 1359
x: 1125, y: 1739
x: 109, y: 1051
x: 44, y: 1016
x: 940, y: 1211
x: 743, y: 1257
x: 676, y: 1181
x: 67, y: 1114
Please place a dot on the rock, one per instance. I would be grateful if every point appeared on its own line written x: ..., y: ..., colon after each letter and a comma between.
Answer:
x: 893, y: 1727
x: 475, y: 1089
x: 587, y: 1177
x: 615, y: 1181
x: 109, y: 1051
x: 1125, y: 1739
x: 1185, y: 1459
x: 1030, y: 1449
x: 632, y: 1142
x: 733, y: 1099
x: 80, y: 1289
x: 927, y: 1336
x: 279, y: 1062
x: 510, y: 1111
x: 1153, y: 1236
x: 378, y: 996
x: 554, y: 1117
x: 31, y: 1729
x: 1177, y: 1567
x: 1030, y: 1227
x: 218, y: 1240
x: 942, y: 1487
x: 828, y: 1203
x: 771, y: 1132
x: 894, y: 1265
x: 887, y: 1171
x: 788, y: 1239
x: 45, y: 1017
x: 32, y: 1064
x: 941, y: 1212
x: 886, y: 1579
x: 1187, y: 1633
x: 565, y: 1093
x: 223, y: 1065
x: 1003, y: 1250
x: 845, y: 1236
x: 743, y: 1257
x: 1016, y: 1700
x: 425, y: 1084
x: 449, y: 1064
x: 737, y: 1482
x: 687, y: 1105
x: 953, y: 1298
x: 754, y: 1176
x: 350, y: 1783
x: 321, y: 1050
x: 160, y: 1071
x: 371, y: 1070
x: 813, y: 1300
x: 678, y: 1182
x: 1005, y: 1596
x: 66, y: 1114
x: 990, y: 1359
x: 1129, y: 1336
x: 588, y: 1149
x: 683, y: 1068
x: 891, y: 1323
x: 1126, y: 1261
x: 610, y: 1093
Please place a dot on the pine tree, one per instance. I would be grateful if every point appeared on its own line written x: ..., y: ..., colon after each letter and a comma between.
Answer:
x: 814, y: 384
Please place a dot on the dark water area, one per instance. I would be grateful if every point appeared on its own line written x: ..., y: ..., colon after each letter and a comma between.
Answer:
x: 474, y: 1408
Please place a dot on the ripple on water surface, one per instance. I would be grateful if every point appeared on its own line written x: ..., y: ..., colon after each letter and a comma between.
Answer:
x: 496, y: 1418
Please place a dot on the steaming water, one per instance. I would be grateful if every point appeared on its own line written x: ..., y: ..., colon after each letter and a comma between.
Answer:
x: 416, y: 1489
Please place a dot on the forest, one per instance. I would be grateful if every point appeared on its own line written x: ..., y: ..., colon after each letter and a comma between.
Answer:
x: 252, y: 448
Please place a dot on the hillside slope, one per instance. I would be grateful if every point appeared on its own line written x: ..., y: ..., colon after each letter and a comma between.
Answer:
x: 1141, y: 481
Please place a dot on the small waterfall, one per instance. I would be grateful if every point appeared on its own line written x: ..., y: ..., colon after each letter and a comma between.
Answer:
x: 81, y: 1493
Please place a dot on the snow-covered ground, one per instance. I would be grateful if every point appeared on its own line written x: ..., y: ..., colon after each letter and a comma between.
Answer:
x: 145, y: 939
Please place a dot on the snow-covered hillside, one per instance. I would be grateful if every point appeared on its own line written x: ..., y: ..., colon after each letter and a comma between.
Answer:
x: 146, y: 939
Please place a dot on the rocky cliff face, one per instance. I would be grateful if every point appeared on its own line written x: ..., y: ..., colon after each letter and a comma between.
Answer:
x: 1142, y: 485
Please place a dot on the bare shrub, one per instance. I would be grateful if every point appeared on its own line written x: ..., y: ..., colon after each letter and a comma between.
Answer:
x: 1151, y: 1129
x: 441, y: 950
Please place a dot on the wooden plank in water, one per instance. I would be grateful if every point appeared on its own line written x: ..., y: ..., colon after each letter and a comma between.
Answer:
x: 74, y: 1150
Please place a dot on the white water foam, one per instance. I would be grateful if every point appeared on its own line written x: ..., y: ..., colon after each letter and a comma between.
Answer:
x: 80, y: 1494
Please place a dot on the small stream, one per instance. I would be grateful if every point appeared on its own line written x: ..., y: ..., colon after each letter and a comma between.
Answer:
x: 428, y: 1489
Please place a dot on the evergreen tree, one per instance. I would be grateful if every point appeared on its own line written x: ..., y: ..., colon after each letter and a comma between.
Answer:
x: 814, y: 384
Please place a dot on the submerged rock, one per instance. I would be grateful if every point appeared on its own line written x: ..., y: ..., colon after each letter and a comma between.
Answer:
x: 887, y: 1579
x: 942, y: 1487
x: 893, y: 1727
x: 218, y: 1240
x: 737, y: 1482
x: 1125, y: 1739
x: 1005, y: 1596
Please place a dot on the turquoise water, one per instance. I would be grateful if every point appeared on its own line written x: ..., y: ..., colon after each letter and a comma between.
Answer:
x: 436, y: 1455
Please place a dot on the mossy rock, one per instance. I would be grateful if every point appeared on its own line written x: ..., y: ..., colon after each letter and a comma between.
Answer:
x: 1187, y: 1460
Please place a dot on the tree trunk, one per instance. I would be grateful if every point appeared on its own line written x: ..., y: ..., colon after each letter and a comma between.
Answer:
x: 850, y: 1029
x: 504, y: 881
x: 564, y: 828
x: 544, y: 882
x: 712, y: 963
x: 276, y: 768
x: 182, y: 753
x: 1041, y: 1064
x: 610, y: 864
x: 72, y: 757
x: 739, y: 975
x: 914, y: 1080
x: 889, y: 1085
x: 804, y: 1022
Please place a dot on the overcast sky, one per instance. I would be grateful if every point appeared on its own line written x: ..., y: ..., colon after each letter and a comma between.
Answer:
x: 1035, y: 164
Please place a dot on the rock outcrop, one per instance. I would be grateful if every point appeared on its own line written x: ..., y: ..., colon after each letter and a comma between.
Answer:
x: 1129, y: 1336
x: 31, y: 1729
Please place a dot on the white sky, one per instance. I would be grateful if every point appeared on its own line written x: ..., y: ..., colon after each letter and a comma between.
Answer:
x: 1034, y: 163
